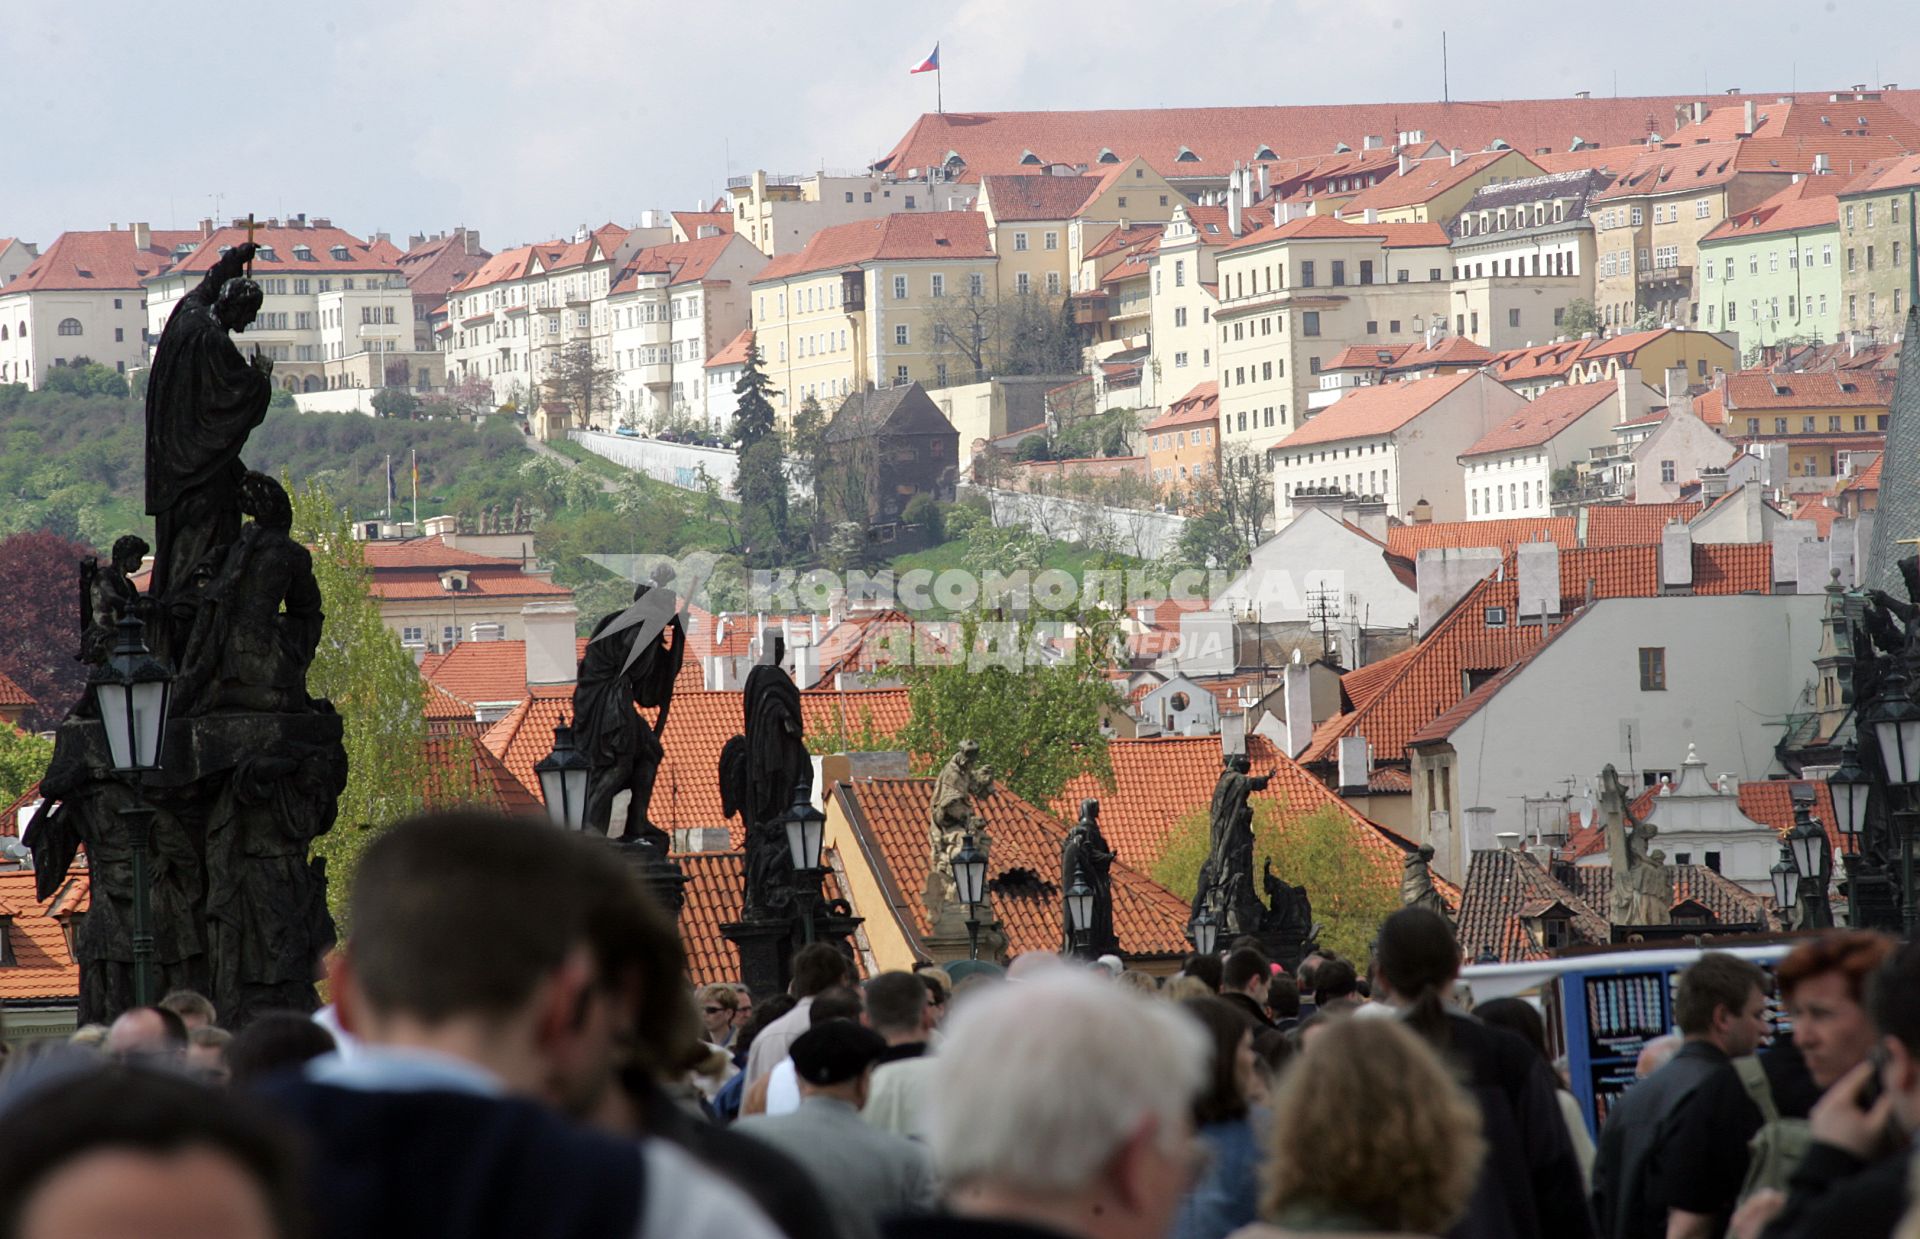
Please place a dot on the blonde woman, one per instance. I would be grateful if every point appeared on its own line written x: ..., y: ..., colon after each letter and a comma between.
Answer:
x: 1371, y: 1136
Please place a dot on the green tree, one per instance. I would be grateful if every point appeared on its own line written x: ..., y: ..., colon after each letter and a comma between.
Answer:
x: 85, y: 377
x: 1037, y: 722
x: 753, y: 410
x: 1648, y: 319
x: 761, y: 485
x: 1227, y: 512
x: 281, y: 401
x: 924, y: 511
x: 23, y: 759
x: 396, y: 402
x: 1580, y: 318
x: 807, y: 447
x: 1352, y: 888
x: 584, y: 383
x: 362, y: 669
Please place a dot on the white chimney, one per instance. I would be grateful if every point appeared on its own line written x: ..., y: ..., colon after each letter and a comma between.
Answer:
x: 1406, y: 162
x: 550, y: 642
x: 1821, y: 165
x: 1263, y: 181
x: 142, y: 236
x: 1747, y: 128
x: 1676, y: 558
x: 1356, y: 764
x: 1509, y: 841
x: 1233, y: 212
x: 1538, y: 569
x: 1453, y: 157
x: 1297, y: 699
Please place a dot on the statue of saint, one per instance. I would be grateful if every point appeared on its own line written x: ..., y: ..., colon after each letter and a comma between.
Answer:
x: 1290, y: 909
x: 1416, y: 884
x: 1086, y: 856
x: 1226, y: 878
x: 1642, y: 883
x: 952, y: 817
x: 761, y: 772
x: 259, y: 616
x: 632, y: 659
x: 203, y: 398
x: 106, y: 595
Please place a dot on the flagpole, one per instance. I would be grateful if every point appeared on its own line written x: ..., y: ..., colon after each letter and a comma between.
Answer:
x: 939, y: 101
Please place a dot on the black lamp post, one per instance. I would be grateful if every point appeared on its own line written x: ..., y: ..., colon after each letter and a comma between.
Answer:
x: 563, y: 781
x: 1080, y: 915
x: 970, y: 883
x: 1205, y: 932
x: 806, y: 832
x: 1894, y: 722
x: 133, y: 690
x: 1786, y: 883
x: 1812, y: 854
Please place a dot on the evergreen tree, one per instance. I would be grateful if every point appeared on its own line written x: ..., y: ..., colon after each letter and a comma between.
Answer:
x: 753, y: 412
x: 761, y: 481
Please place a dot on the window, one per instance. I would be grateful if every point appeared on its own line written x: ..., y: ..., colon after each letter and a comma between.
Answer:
x: 899, y: 374
x: 1179, y: 273
x: 1339, y: 273
x: 68, y: 327
x: 1366, y: 271
x: 1513, y: 318
x: 1180, y: 316
x: 1306, y: 275
x: 1779, y: 425
x: 1373, y: 327
x: 1019, y: 241
x: 1053, y: 283
x: 1639, y: 217
x: 1653, y: 669
x: 1051, y: 241
x: 1179, y: 359
x: 412, y: 636
x: 1023, y: 283
x: 976, y: 284
x: 899, y: 288
x: 900, y: 334
x: 939, y: 283
x: 1667, y: 471
x: 1310, y: 324
x: 1849, y: 217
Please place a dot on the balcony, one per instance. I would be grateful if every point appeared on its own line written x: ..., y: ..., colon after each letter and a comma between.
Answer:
x: 1092, y: 309
x: 1658, y: 276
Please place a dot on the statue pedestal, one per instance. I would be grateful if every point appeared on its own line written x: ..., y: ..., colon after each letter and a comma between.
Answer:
x: 662, y: 878
x: 767, y: 947
x: 947, y: 940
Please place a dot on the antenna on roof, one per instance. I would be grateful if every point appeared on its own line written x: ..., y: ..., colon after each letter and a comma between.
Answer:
x: 1445, y: 89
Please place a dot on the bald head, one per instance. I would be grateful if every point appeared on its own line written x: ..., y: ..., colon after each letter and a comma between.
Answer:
x: 147, y: 1033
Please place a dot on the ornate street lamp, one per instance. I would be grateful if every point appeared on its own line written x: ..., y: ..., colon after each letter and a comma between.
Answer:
x: 1786, y: 882
x: 1894, y: 721
x: 970, y: 883
x: 1813, y: 860
x: 1205, y: 932
x: 563, y: 780
x: 133, y: 691
x: 1080, y: 913
x: 806, y: 831
x: 1850, y: 787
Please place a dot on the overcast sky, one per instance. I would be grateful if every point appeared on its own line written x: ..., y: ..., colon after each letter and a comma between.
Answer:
x: 526, y: 119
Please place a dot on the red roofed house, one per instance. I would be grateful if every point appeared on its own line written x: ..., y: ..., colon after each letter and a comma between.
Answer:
x: 14, y: 702
x: 1819, y: 417
x: 39, y: 979
x: 1434, y: 190
x: 670, y: 308
x: 859, y: 306
x: 434, y: 596
x: 724, y: 369
x: 1184, y: 269
x: 1182, y: 443
x: 338, y: 313
x: 1875, y: 211
x: 1041, y: 226
x: 1400, y: 441
x: 83, y: 297
x: 1522, y: 253
x: 1533, y: 370
x: 1512, y: 469
x: 432, y: 266
x: 1295, y: 294
x: 781, y: 213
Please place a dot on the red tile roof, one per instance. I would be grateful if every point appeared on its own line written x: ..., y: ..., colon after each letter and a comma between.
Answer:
x: 926, y: 234
x: 476, y: 672
x: 1819, y: 389
x: 686, y: 794
x: 1814, y: 508
x: 1023, y: 874
x: 1541, y: 361
x: 1545, y: 416
x: 1407, y: 541
x: 1868, y: 478
x: 715, y: 891
x: 682, y: 262
x: 1366, y: 412
x: 1624, y: 346
x: 434, y: 266
x: 1807, y: 203
x: 11, y: 694
x: 1634, y: 524
x: 429, y: 552
x: 1328, y: 228
x: 285, y: 256
x: 1366, y: 357
x: 44, y: 969
x: 691, y: 222
x: 1451, y: 352
x: 99, y: 261
x: 733, y: 352
x: 1895, y: 172
x: 1426, y: 179
x: 1202, y: 404
x: 546, y: 257
x: 1020, y: 199
x: 410, y: 583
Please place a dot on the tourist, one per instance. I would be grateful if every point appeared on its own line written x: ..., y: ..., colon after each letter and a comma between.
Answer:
x: 939, y: 993
x: 1244, y: 983
x: 1062, y: 1108
x: 1853, y: 1179
x: 867, y: 1175
x: 1207, y: 968
x: 1523, y: 1019
x: 1334, y: 980
x: 1283, y: 1002
x: 1529, y: 1185
x: 276, y: 1041
x: 778, y: 1092
x: 194, y: 1010
x: 473, y: 986
x: 1656, y: 1053
x: 1145, y: 982
x: 720, y: 1012
x: 726, y: 1103
x: 206, y: 1058
x: 1226, y: 1196
x: 815, y: 968
x: 898, y: 1009
x: 121, y: 1151
x: 1371, y: 1136
x: 1673, y: 1152
x: 153, y: 1035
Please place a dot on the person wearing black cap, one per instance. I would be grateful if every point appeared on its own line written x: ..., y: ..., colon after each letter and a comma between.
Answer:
x: 867, y: 1174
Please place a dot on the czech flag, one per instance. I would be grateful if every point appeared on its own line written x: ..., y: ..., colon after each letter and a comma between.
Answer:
x: 930, y: 65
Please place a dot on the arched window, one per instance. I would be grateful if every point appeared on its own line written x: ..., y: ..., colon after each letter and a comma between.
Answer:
x: 69, y: 327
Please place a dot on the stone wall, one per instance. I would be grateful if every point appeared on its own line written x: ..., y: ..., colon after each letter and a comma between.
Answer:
x: 677, y: 464
x: 1144, y: 534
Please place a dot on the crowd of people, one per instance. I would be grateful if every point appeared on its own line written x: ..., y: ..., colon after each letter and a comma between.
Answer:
x: 512, y: 1048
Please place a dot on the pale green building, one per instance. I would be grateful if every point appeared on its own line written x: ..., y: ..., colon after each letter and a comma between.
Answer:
x: 1772, y: 274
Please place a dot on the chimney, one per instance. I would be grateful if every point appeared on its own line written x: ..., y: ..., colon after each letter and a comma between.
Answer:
x: 1368, y: 513
x: 1371, y: 215
x: 1538, y: 570
x: 1296, y: 697
x: 1233, y: 213
x: 1453, y: 157
x: 1356, y: 765
x: 1508, y: 840
x: 1372, y: 142
x: 1406, y: 162
x: 1713, y: 482
x: 142, y: 236
x: 1443, y: 575
x: 1747, y: 111
x: 1676, y: 559
x: 1821, y: 165
x: 206, y: 229
x: 1422, y: 512
x: 550, y: 642
x: 1263, y: 182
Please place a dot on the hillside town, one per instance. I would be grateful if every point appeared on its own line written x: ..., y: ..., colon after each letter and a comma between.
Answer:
x: 1089, y: 604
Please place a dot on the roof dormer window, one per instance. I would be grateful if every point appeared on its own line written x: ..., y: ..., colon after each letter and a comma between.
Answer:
x: 337, y: 252
x: 1265, y: 152
x: 1186, y: 155
x: 455, y: 581
x: 303, y: 253
x: 265, y: 254
x: 1029, y: 158
x: 1107, y: 156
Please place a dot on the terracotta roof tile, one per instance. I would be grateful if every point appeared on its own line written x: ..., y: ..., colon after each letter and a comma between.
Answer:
x: 682, y: 262
x: 1634, y: 524
x: 1541, y: 361
x: 43, y: 968
x: 1023, y: 874
x: 1545, y: 416
x: 294, y: 251
x: 691, y: 222
x: 1020, y: 199
x: 1407, y: 541
x: 953, y: 235
x: 1818, y: 389
x: 404, y: 583
x: 1426, y: 179
x: 476, y: 672
x: 1868, y: 478
x: 1366, y: 357
x: 429, y: 552
x: 1451, y: 352
x: 715, y: 891
x: 1807, y: 203
x: 1202, y: 404
x: 1369, y: 411
x: 99, y: 260
x: 11, y: 694
x: 734, y: 352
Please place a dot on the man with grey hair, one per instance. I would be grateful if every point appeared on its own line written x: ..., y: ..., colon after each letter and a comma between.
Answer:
x: 1062, y: 1107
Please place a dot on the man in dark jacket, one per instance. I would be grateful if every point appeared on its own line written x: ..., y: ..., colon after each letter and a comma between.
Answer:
x: 1673, y: 1153
x: 1243, y: 983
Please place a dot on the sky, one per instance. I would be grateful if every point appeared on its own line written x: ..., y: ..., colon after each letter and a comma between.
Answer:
x: 527, y: 120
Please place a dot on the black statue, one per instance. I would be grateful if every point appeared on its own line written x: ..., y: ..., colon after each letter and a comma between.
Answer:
x: 761, y: 772
x: 203, y: 398
x: 1289, y: 915
x: 107, y: 594
x: 1226, y: 878
x: 259, y: 618
x: 632, y: 659
x: 1086, y: 856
